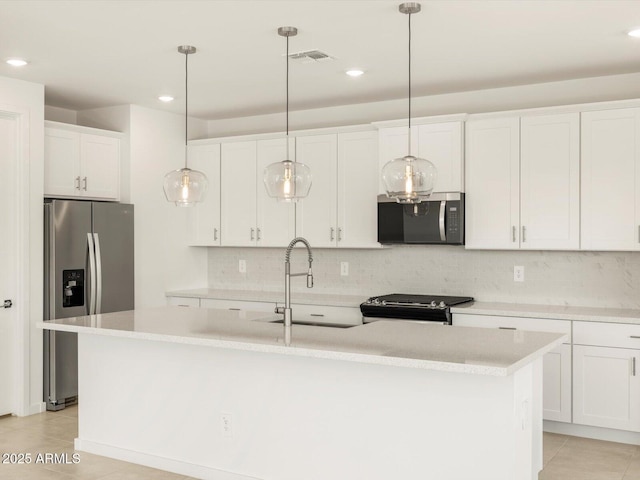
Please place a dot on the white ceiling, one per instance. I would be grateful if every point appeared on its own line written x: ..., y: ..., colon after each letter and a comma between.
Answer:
x: 91, y: 54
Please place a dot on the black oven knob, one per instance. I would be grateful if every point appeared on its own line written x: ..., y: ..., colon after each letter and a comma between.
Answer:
x: 433, y: 304
x: 376, y: 301
x: 384, y: 302
x: 442, y: 305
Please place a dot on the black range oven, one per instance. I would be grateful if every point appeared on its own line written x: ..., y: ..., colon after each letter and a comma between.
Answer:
x: 422, y: 308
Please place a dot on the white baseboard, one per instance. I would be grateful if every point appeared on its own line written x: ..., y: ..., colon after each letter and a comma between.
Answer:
x: 161, y: 463
x: 598, y: 433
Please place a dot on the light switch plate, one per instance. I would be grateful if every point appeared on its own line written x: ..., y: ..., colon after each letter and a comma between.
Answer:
x: 344, y: 269
x: 242, y: 266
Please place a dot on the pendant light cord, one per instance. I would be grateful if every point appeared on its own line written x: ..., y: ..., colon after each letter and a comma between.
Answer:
x: 409, y: 84
x: 186, y: 106
x: 287, y: 83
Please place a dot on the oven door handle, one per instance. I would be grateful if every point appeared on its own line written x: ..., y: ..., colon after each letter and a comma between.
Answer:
x: 443, y: 209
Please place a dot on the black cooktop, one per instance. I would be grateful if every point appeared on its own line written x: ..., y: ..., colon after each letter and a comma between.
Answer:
x: 417, y: 300
x: 402, y: 306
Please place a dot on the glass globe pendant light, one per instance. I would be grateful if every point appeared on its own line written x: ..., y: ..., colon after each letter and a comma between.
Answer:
x: 409, y: 179
x: 185, y: 187
x: 287, y: 181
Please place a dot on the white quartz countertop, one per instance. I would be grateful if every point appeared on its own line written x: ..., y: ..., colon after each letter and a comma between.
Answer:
x: 585, y: 314
x: 397, y: 343
x: 299, y: 298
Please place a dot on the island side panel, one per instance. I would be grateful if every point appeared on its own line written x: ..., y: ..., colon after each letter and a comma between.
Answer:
x: 161, y: 404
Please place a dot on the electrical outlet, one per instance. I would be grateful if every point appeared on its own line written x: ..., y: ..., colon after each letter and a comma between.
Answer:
x: 344, y: 269
x: 226, y: 424
x: 242, y: 266
x: 518, y: 273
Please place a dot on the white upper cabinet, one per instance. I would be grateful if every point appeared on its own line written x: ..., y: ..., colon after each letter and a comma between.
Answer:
x: 550, y: 182
x: 610, y: 183
x: 81, y: 162
x: 238, y: 194
x: 249, y: 217
x: 275, y: 221
x: 357, y: 189
x: 522, y: 182
x: 205, y: 216
x: 440, y: 143
x: 316, y: 215
x: 492, y: 182
x: 341, y: 209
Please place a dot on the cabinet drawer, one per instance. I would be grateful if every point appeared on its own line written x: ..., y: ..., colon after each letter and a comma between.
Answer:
x: 619, y: 335
x: 183, y: 301
x: 238, y: 305
x: 518, y: 323
x: 318, y: 313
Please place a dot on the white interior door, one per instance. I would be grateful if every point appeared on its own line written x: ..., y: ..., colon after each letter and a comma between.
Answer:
x: 8, y: 256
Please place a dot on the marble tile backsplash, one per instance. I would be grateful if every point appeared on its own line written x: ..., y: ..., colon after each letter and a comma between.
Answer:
x: 593, y: 279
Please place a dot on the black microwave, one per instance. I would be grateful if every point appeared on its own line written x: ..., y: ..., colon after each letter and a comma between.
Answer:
x: 438, y: 220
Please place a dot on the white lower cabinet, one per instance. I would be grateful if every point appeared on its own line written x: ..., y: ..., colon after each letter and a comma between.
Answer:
x: 266, y: 307
x: 556, y: 364
x: 606, y: 383
x: 183, y: 301
x: 326, y: 314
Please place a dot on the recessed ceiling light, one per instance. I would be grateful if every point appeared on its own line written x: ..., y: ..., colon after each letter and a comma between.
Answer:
x: 634, y: 33
x: 165, y: 98
x: 17, y: 62
x: 354, y: 72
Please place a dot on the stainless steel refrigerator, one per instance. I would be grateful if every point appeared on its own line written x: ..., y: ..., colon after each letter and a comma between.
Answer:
x: 88, y: 269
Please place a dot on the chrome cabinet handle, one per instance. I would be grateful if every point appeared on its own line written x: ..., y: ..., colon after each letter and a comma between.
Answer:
x: 215, y: 234
x: 235, y: 309
x: 77, y: 183
x: 524, y: 232
x: 317, y: 314
x: 339, y: 234
x: 6, y: 304
x: 253, y: 232
x: 513, y: 234
x: 332, y: 235
x: 84, y: 181
x: 633, y: 366
x: 634, y: 336
x: 507, y: 328
x: 259, y: 235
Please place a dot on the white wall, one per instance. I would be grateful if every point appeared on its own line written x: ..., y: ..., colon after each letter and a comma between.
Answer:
x: 29, y: 97
x: 155, y: 146
x: 596, y: 89
x: 57, y: 114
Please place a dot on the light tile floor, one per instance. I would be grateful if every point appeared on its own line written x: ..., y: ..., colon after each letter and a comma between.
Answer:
x: 565, y: 457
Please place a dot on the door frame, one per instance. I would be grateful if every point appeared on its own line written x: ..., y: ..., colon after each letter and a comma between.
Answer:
x: 21, y: 316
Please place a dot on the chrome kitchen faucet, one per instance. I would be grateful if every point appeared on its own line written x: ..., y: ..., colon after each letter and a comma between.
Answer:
x: 287, y: 285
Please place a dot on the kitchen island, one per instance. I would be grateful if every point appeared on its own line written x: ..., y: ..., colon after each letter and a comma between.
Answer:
x: 216, y: 394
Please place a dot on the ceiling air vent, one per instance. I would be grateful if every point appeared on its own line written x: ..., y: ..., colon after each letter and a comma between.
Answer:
x: 310, y: 56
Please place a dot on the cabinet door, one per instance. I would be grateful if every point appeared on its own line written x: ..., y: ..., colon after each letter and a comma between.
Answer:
x: 61, y: 163
x: 316, y: 215
x: 276, y: 222
x: 357, y: 190
x: 492, y: 184
x: 550, y: 182
x: 204, y: 217
x: 606, y: 390
x: 393, y: 142
x: 556, y: 377
x: 100, y: 166
x: 238, y: 194
x: 556, y: 381
x: 610, y: 180
x: 441, y: 143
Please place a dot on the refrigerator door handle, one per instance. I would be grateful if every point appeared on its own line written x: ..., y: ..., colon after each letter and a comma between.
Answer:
x: 98, y: 274
x: 92, y: 274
